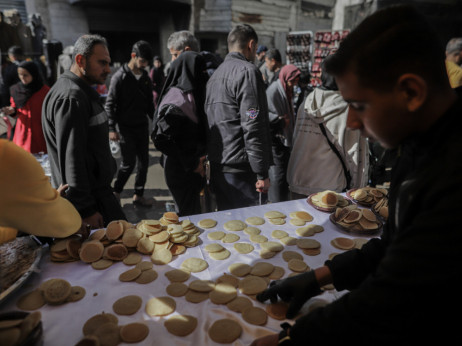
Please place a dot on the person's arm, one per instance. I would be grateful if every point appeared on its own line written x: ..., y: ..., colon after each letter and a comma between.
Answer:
x: 28, y: 202
x: 254, y: 122
x: 111, y: 105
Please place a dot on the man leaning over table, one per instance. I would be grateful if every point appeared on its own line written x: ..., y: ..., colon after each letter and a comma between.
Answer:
x: 76, y: 130
x: 399, y: 284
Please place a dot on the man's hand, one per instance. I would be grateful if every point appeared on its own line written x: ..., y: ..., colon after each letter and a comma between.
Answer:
x: 114, y: 136
x: 296, y: 290
x: 8, y: 110
x: 95, y: 221
x: 62, y: 189
x: 262, y: 185
x: 84, y: 231
x: 200, y: 168
x: 269, y: 340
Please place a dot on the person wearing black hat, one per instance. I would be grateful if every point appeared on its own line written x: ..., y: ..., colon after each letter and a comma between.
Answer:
x: 261, y: 51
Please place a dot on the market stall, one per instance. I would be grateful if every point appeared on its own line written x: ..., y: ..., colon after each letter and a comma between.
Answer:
x: 63, y: 323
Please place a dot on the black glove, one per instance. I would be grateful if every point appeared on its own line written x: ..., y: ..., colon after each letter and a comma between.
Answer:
x: 296, y: 290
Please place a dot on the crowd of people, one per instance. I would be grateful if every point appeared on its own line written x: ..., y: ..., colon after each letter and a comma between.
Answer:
x: 260, y: 147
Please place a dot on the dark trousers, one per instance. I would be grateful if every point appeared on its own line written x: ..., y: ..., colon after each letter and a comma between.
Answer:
x: 108, y: 206
x: 185, y: 186
x: 234, y: 190
x: 279, y: 188
x: 134, y: 147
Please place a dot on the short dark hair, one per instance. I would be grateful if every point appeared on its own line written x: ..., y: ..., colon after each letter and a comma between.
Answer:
x: 16, y: 51
x: 240, y: 35
x: 387, y: 44
x: 142, y: 49
x: 275, y: 54
x: 85, y: 43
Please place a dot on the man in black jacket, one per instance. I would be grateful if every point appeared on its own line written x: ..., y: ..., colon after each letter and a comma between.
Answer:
x: 391, y: 71
x: 75, y: 128
x: 129, y: 103
x: 238, y: 138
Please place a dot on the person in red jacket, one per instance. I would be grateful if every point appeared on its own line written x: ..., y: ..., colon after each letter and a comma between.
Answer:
x: 26, y: 105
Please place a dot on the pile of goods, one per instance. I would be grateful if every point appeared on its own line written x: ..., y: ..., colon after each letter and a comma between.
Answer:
x: 353, y: 219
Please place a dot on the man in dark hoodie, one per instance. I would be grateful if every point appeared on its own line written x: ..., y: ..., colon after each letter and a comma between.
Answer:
x: 75, y: 127
x: 129, y: 103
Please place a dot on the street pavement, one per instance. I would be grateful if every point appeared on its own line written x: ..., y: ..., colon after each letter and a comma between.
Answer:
x: 155, y: 188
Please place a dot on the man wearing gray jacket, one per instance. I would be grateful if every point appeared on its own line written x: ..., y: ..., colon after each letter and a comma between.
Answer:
x: 238, y: 138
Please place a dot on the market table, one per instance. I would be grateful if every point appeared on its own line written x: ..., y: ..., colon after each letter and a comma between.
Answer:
x: 62, y: 325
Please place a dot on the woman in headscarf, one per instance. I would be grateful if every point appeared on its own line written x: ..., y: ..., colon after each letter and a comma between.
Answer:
x: 179, y: 131
x: 26, y: 105
x: 282, y: 121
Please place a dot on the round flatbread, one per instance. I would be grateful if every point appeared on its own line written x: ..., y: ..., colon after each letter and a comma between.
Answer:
x: 31, y: 301
x: 239, y: 269
x: 308, y: 244
x: 255, y: 220
x: 272, y: 246
x: 273, y: 214
x: 288, y: 255
x: 297, y: 222
x: 258, y: 238
x: 220, y: 255
x: 217, y: 235
x: 196, y: 297
x: 130, y: 275
x: 146, y: 276
x: 225, y: 331
x: 127, y: 305
x: 230, y: 238
x: 108, y: 334
x: 229, y: 279
x: 102, y: 264
x: 252, y: 230
x: 214, y: 247
x: 297, y: 265
x: 144, y: 265
x: 278, y: 234
x: 234, y: 225
x: 161, y: 256
x: 134, y: 332
x: 223, y: 293
x: 303, y: 215
x: 97, y: 320
x: 132, y: 258
x: 289, y: 241
x: 243, y: 248
x: 114, y: 230
x: 160, y: 306
x: 77, y: 293
x: 194, y: 265
x: 277, y: 273
x: 343, y: 243
x: 265, y: 253
x: 202, y: 285
x: 252, y: 285
x: 178, y: 275
x: 255, y: 315
x: 277, y: 310
x: 91, y: 251
x: 239, y: 304
x: 57, y: 291
x: 262, y: 269
x: 277, y: 221
x: 177, y: 289
x: 207, y: 223
x: 181, y: 325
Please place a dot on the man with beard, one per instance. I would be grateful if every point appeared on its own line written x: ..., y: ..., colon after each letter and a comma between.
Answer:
x: 76, y: 130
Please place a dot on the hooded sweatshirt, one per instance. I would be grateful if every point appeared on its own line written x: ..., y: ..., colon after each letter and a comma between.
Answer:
x: 313, y: 165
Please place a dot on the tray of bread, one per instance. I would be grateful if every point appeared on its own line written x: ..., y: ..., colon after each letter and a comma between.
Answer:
x: 352, y: 219
x: 18, y: 259
x: 327, y: 201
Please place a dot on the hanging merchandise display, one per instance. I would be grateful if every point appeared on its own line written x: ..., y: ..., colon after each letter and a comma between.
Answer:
x: 299, y: 48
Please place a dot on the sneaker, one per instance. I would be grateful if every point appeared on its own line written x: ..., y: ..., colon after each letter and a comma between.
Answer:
x: 143, y: 202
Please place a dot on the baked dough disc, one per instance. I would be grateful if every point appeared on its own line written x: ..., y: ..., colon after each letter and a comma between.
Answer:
x: 308, y: 244
x: 258, y: 238
x: 288, y: 255
x: 225, y: 331
x: 127, y: 305
x: 91, y: 251
x: 132, y: 258
x: 57, y: 291
x: 134, y: 332
x: 274, y: 215
x: 230, y: 238
x: 243, y: 248
x: 234, y: 225
x: 265, y: 253
x: 277, y: 273
x: 255, y: 220
x: 297, y: 265
x: 229, y: 279
x: 95, y: 321
x: 277, y: 310
x: 343, y: 243
x: 289, y: 241
x: 130, y: 275
x: 194, y: 265
x: 239, y: 304
x: 312, y: 252
x: 240, y: 269
x: 178, y: 275
x: 108, y: 334
x: 252, y: 230
x: 262, y: 269
x: 102, y: 264
x: 223, y: 293
x: 220, y: 255
x: 181, y: 325
x: 196, y: 297
x: 255, y: 315
x: 303, y: 215
x: 202, y: 285
x: 278, y: 234
x: 146, y: 276
x: 31, y: 301
x: 144, y: 265
x: 272, y: 246
x: 207, y: 223
x: 277, y: 221
x: 217, y: 235
x: 161, y: 256
x: 297, y: 222
x: 160, y: 306
x: 177, y: 289
x: 214, y: 247
x: 252, y: 285
x: 77, y: 293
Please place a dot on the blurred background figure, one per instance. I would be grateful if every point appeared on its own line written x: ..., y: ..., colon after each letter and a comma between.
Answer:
x: 156, y: 74
x: 27, y: 97
x: 453, y: 61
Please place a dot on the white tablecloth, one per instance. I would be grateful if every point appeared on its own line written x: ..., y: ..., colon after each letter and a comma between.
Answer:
x: 63, y: 324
